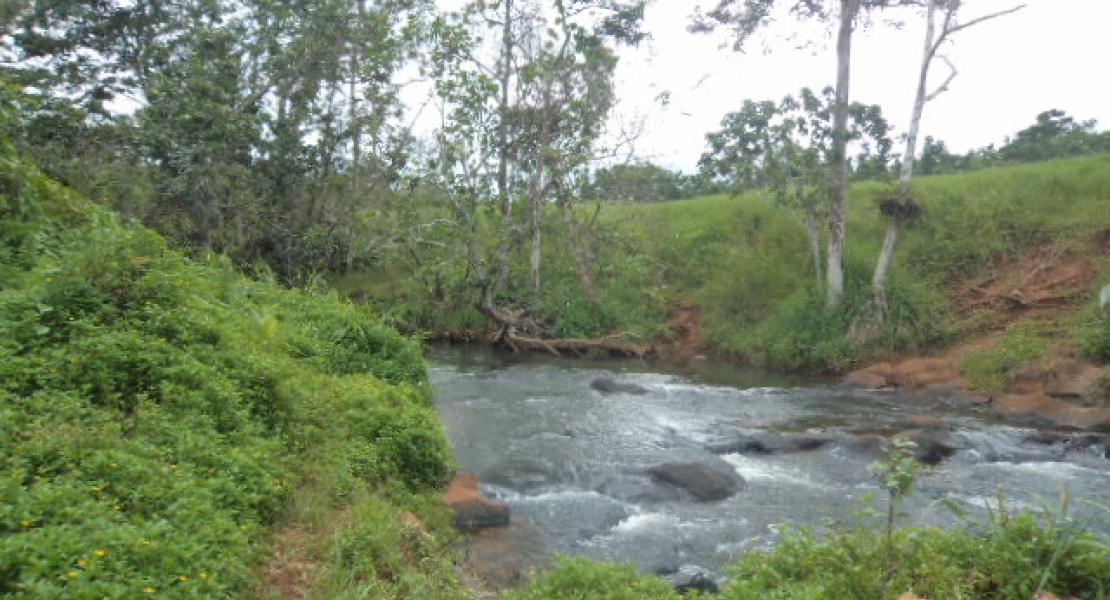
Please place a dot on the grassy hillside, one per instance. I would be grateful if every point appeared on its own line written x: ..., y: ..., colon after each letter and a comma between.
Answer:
x: 744, y: 264
x: 161, y: 418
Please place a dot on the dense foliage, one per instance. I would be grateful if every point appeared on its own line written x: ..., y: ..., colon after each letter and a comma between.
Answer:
x: 1010, y: 557
x: 157, y: 414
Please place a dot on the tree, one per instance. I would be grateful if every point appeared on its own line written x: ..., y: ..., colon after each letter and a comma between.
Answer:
x: 261, y: 129
x: 743, y: 18
x: 1055, y: 134
x: 532, y: 144
x: 902, y: 206
x: 639, y: 182
x: 785, y: 148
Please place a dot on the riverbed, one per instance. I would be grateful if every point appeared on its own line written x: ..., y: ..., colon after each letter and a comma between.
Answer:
x: 572, y: 462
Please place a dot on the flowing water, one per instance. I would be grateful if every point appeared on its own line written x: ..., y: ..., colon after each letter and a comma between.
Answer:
x: 571, y: 461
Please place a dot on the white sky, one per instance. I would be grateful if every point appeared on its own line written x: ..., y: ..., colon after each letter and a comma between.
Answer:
x: 1053, y: 54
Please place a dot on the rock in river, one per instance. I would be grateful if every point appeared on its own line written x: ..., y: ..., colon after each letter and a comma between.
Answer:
x: 472, y: 509
x: 705, y: 482
x: 769, y: 443
x: 607, y: 385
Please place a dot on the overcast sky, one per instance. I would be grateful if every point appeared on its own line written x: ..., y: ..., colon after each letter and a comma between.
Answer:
x: 1053, y: 54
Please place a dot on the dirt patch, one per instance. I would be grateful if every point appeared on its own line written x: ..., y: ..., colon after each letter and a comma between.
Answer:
x: 1043, y: 279
x: 1039, y: 285
x: 684, y: 325
x: 290, y: 571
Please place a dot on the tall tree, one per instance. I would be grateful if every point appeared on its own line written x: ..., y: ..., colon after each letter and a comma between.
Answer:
x: 743, y: 18
x: 901, y: 206
x: 495, y: 147
x: 785, y: 147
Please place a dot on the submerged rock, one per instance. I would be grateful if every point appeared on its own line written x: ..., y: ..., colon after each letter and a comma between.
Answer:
x: 705, y: 482
x: 607, y: 385
x: 932, y: 446
x: 472, y: 509
x: 768, y: 444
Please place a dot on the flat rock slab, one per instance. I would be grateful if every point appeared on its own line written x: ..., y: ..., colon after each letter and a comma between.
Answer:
x: 705, y: 482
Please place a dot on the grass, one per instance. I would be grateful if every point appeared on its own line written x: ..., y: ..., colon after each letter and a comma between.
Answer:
x: 744, y: 264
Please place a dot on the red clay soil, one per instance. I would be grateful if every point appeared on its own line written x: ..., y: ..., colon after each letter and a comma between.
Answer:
x: 685, y: 337
x: 289, y: 573
x: 1038, y: 285
x: 1043, y: 279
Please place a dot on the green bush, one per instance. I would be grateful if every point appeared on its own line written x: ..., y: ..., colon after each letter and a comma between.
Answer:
x: 581, y: 579
x: 1006, y: 559
x: 986, y: 369
x: 157, y: 413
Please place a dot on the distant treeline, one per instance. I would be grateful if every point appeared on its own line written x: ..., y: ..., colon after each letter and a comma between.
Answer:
x: 1055, y: 134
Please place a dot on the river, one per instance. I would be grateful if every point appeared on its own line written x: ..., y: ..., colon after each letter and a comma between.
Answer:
x: 572, y: 461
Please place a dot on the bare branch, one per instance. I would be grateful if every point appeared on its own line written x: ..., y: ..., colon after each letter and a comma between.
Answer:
x: 944, y: 86
x: 983, y: 18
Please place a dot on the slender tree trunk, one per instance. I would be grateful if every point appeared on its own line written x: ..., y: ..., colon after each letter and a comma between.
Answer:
x: 837, y: 225
x: 356, y: 126
x: 880, y: 301
x: 503, y: 150
x: 814, y: 234
x: 537, y: 246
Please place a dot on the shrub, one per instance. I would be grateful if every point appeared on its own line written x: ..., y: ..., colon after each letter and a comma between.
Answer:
x: 986, y: 369
x: 581, y: 579
x: 1007, y: 558
x: 157, y: 412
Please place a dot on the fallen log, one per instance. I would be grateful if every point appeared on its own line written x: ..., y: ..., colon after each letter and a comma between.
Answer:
x: 611, y: 346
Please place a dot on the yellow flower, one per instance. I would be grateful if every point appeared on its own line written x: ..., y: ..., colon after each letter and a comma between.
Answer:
x: 148, y: 590
x: 146, y: 542
x: 203, y: 575
x: 183, y: 578
x: 73, y: 574
x: 101, y: 552
x: 26, y: 522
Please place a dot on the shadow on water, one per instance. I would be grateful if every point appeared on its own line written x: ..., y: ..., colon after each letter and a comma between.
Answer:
x: 573, y: 462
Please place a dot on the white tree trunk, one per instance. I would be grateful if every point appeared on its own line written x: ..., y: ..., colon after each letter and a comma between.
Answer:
x: 814, y: 233
x: 905, y: 178
x: 504, y: 234
x: 837, y: 225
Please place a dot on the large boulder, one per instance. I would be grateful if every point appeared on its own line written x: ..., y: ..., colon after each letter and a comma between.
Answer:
x: 472, y: 509
x: 704, y: 481
x: 607, y: 385
x: 932, y: 445
x: 769, y: 443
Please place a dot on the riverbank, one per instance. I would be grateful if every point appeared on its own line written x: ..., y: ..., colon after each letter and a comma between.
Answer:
x: 741, y: 268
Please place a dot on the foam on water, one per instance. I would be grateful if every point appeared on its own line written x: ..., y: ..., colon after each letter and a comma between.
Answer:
x: 754, y: 469
x: 644, y: 520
